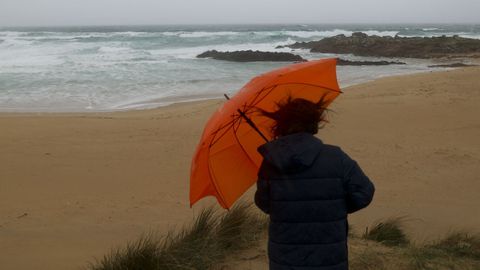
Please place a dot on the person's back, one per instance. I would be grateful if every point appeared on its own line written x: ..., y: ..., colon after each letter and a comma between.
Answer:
x: 308, y: 188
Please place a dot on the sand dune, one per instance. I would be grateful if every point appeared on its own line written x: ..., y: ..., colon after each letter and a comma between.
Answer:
x: 74, y: 185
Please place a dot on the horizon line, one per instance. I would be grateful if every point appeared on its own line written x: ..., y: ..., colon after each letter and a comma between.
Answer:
x: 237, y: 24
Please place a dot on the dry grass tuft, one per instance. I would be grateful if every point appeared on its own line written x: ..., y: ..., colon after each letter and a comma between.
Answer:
x: 389, y: 232
x: 368, y: 259
x: 458, y: 250
x: 459, y: 244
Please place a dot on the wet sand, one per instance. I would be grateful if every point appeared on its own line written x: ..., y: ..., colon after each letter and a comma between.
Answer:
x: 74, y: 185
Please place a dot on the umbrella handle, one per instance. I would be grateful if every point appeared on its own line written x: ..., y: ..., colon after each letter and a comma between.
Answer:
x: 249, y: 121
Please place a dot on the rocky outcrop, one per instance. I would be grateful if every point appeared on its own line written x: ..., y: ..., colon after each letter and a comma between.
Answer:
x: 254, y: 56
x: 412, y: 47
x: 343, y: 62
x: 251, y: 56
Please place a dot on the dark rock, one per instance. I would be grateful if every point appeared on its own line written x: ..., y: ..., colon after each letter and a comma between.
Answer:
x: 251, y: 56
x: 412, y: 47
x: 343, y: 62
x: 453, y: 65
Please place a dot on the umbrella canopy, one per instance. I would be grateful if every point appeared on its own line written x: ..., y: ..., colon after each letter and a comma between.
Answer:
x: 226, y: 160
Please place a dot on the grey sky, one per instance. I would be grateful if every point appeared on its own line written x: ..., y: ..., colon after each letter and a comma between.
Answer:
x: 107, y: 12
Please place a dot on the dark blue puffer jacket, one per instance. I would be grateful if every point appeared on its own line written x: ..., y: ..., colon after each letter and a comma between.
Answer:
x: 308, y: 188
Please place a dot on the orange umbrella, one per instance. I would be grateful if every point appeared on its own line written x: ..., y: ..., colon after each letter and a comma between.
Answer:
x: 226, y: 160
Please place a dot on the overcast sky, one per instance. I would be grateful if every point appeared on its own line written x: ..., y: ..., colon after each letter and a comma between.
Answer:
x: 123, y: 12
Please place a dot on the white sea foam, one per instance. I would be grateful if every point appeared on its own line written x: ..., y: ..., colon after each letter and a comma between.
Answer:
x: 199, y: 34
x: 381, y: 33
x: 108, y: 49
x: 192, y: 52
x: 432, y: 29
x: 13, y: 42
x: 10, y: 33
x: 467, y: 35
x: 134, y: 34
x: 30, y: 63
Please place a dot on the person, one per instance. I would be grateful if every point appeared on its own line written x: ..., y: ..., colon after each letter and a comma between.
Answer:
x: 307, y: 188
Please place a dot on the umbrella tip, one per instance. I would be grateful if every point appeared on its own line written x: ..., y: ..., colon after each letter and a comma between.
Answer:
x: 226, y: 96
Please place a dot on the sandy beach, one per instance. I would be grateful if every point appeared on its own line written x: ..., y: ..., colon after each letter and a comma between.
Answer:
x: 72, y: 186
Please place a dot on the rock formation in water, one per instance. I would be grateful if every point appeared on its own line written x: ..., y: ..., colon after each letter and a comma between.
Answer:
x: 343, y: 62
x: 412, y: 47
x: 251, y: 56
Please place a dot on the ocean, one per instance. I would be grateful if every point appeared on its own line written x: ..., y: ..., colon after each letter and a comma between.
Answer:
x: 108, y: 68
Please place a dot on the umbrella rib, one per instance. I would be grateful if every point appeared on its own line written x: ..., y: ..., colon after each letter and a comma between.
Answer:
x: 210, y: 171
x: 212, y: 176
x: 241, y: 146
x: 270, y: 89
x: 246, y: 107
x: 261, y: 91
x: 229, y: 125
x: 224, y: 125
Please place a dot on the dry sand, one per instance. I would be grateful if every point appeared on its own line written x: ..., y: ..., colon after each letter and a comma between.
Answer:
x: 74, y: 185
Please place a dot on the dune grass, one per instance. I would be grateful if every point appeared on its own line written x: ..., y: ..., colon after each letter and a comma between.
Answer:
x: 388, y: 232
x: 458, y: 250
x: 214, y: 236
x: 368, y: 259
x: 459, y: 244
x: 205, y: 243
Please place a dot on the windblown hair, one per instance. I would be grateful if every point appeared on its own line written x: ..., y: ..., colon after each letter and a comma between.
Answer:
x: 296, y: 115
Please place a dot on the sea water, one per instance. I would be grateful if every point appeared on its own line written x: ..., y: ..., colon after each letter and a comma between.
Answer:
x: 105, y: 68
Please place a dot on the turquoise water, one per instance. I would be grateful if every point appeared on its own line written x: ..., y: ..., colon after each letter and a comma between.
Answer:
x: 123, y: 67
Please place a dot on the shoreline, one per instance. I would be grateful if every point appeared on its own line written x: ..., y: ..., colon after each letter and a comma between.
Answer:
x: 83, y: 183
x: 91, y: 71
x: 159, y: 103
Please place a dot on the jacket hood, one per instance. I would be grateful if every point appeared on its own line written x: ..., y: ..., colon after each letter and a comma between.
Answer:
x: 292, y: 152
